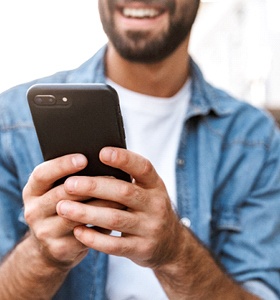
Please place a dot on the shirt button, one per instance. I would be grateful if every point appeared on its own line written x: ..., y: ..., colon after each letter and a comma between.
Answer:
x: 180, y: 161
x: 186, y: 222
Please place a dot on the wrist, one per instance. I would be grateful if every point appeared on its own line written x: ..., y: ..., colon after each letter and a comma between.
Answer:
x: 43, y: 258
x: 181, y: 249
x: 35, y: 277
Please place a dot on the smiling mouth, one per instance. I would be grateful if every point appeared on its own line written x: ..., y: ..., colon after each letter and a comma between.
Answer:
x: 141, y: 13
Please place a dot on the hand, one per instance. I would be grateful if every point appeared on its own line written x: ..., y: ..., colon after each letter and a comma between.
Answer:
x: 53, y: 235
x: 150, y: 228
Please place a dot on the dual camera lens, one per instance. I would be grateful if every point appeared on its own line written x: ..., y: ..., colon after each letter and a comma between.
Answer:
x: 45, y: 100
x: 51, y: 100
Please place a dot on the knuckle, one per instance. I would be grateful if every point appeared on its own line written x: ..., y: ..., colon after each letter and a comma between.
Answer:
x: 147, y: 168
x: 42, y: 234
x: 122, y: 221
x: 116, y: 220
x: 25, y: 192
x: 112, y: 249
x: 155, y: 228
x: 60, y: 169
x: 123, y: 157
x: 68, y: 224
x: 148, y: 249
x: 58, y: 250
x: 125, y: 250
x: 37, y: 175
x: 139, y: 195
x: 80, y: 212
x: 91, y: 186
x: 161, y: 183
x: 59, y: 193
x: 120, y: 249
x: 126, y: 190
x: 160, y: 203
x: 29, y: 214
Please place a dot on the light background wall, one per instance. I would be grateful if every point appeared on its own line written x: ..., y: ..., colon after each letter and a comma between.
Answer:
x: 39, y: 37
x: 236, y: 42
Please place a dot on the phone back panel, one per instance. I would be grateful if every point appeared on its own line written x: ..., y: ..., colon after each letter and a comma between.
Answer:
x: 84, y: 118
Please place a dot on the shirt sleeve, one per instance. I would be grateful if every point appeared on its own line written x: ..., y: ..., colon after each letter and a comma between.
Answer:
x: 260, y: 289
x: 248, y: 235
x: 11, y: 208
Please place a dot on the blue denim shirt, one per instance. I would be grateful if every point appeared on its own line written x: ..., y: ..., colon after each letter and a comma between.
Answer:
x: 228, y: 182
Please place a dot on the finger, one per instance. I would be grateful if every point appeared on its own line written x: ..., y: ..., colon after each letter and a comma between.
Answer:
x: 44, y: 206
x: 45, y: 174
x: 101, y: 203
x: 66, y: 249
x: 119, y: 193
x: 104, y: 217
x: 96, y: 188
x: 130, y: 247
x: 54, y: 228
x: 137, y: 166
x: 113, y: 245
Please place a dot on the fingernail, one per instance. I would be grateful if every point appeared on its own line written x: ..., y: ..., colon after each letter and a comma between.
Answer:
x: 79, y: 161
x: 64, y: 207
x: 108, y: 154
x: 71, y: 184
x: 78, y: 231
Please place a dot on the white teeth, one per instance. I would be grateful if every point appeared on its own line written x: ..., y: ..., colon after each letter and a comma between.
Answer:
x: 140, y: 12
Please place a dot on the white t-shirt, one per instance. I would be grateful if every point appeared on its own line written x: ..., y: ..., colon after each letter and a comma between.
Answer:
x: 153, y: 127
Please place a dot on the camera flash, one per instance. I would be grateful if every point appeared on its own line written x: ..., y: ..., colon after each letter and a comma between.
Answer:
x: 64, y: 99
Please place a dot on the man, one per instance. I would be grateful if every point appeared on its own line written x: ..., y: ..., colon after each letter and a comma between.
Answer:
x: 206, y: 228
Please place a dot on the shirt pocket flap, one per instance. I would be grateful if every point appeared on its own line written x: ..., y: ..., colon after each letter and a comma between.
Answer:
x: 227, y: 219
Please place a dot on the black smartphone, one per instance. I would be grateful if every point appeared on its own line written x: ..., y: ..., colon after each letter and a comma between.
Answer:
x: 78, y: 118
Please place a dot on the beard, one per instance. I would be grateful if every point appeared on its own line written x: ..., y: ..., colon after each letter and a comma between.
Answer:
x: 142, y: 46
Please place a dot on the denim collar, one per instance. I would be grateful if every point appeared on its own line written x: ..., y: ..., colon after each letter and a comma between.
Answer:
x: 205, y: 99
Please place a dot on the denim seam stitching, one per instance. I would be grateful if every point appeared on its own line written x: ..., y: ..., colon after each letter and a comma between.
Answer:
x: 236, y: 141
